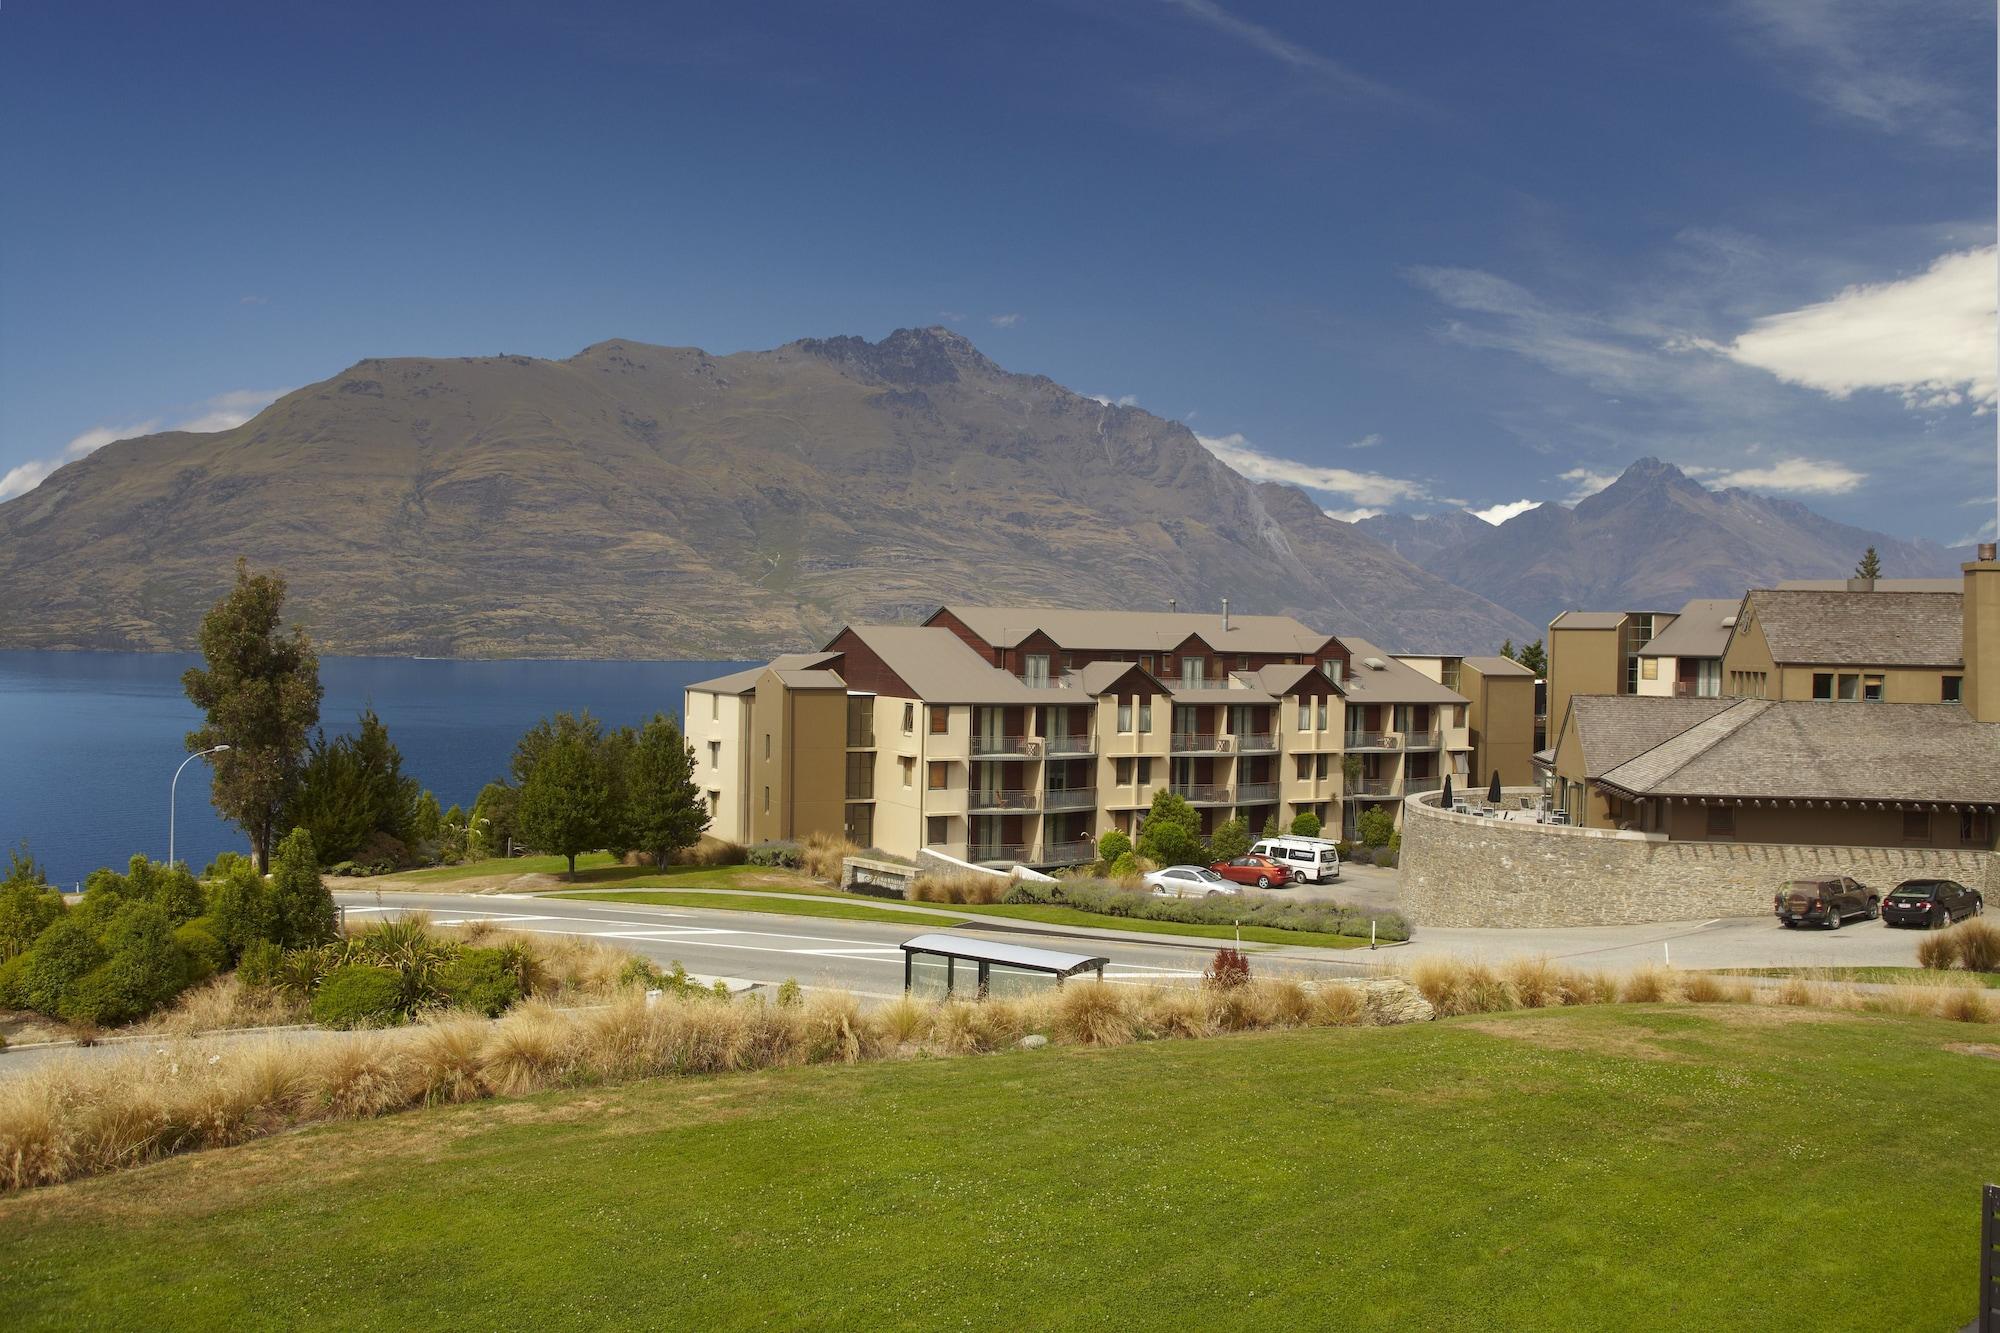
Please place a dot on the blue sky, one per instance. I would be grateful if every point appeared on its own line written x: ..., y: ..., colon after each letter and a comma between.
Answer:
x: 1407, y: 255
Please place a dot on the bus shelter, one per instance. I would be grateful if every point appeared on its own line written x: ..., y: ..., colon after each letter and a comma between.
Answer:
x: 955, y: 966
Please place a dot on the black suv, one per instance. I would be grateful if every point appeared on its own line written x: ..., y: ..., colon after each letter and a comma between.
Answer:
x: 1933, y: 903
x: 1825, y: 902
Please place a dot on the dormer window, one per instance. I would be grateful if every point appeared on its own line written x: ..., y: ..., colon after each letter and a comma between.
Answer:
x: 1194, y: 670
x: 1035, y: 669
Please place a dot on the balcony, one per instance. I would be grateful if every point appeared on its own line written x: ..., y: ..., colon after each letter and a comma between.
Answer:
x: 1194, y: 742
x: 1373, y: 740
x: 1070, y: 798
x: 1255, y: 793
x: 1075, y: 852
x: 1071, y: 745
x: 1365, y: 788
x: 1007, y: 747
x: 999, y: 853
x: 1204, y: 793
x: 1420, y: 740
x: 1001, y: 800
x: 1255, y: 742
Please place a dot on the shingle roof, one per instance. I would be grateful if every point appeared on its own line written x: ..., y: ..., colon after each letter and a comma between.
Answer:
x: 1807, y: 750
x: 1613, y: 728
x: 1395, y: 683
x: 1496, y: 666
x: 1954, y: 584
x: 742, y: 682
x: 1139, y: 631
x: 1697, y: 631
x: 1862, y: 628
x: 941, y: 668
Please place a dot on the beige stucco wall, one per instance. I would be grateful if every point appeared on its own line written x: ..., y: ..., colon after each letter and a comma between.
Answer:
x: 1582, y: 661
x: 1665, y: 669
x: 804, y: 764
x: 1502, y: 724
x: 722, y: 718
x: 1459, y: 870
x: 1982, y: 639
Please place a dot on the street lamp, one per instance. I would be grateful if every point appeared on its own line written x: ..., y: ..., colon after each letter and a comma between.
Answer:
x: 174, y: 786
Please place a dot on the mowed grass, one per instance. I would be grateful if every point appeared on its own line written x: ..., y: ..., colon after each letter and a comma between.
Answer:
x: 598, y: 868
x: 733, y: 901
x: 1593, y: 1168
x: 1892, y: 976
x: 1071, y: 916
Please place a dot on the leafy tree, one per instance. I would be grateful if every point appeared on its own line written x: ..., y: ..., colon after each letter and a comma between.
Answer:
x: 493, y: 821
x: 1230, y: 839
x: 426, y: 820
x: 1376, y: 825
x: 28, y: 906
x: 242, y: 909
x: 1870, y: 566
x: 663, y: 810
x: 451, y: 836
x: 66, y: 952
x: 1171, y: 834
x: 260, y: 690
x: 352, y: 789
x: 1271, y: 829
x: 1305, y: 824
x: 615, y: 752
x: 565, y: 799
x: 301, y: 908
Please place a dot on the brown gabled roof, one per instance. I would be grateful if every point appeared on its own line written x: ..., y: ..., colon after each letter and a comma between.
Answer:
x: 1138, y: 631
x: 1393, y: 682
x: 743, y: 682
x: 1698, y: 631
x: 941, y: 668
x: 1860, y: 628
x: 1613, y: 728
x: 1763, y: 749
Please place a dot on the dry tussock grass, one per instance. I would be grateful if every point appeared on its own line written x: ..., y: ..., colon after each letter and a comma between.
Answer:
x: 957, y: 886
x: 820, y: 855
x: 223, y: 1004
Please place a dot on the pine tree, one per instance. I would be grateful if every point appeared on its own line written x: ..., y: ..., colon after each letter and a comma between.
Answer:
x: 1535, y: 658
x: 1230, y: 840
x: 565, y: 801
x: 301, y: 907
x: 664, y: 812
x: 260, y: 690
x: 1870, y: 566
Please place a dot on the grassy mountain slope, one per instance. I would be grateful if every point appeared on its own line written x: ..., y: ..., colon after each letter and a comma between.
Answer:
x: 640, y: 501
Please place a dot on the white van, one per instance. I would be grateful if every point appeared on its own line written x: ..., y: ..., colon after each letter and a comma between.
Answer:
x: 1312, y: 860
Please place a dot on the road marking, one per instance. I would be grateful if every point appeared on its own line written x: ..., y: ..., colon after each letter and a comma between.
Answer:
x: 852, y: 950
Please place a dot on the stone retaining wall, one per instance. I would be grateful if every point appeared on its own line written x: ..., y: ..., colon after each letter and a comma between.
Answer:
x: 1463, y: 870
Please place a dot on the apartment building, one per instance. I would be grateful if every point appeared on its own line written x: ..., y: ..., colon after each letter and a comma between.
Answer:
x: 1855, y: 717
x: 1597, y: 652
x: 1022, y: 734
x: 1684, y: 658
x: 1500, y: 712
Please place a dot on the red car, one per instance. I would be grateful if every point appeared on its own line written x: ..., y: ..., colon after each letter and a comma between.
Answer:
x: 1259, y: 870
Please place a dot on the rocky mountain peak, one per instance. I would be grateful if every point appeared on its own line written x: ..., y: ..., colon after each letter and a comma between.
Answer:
x: 933, y: 355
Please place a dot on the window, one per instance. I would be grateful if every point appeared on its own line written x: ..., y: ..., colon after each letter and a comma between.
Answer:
x: 1871, y: 689
x: 1124, y: 716
x: 1849, y: 687
x: 1708, y: 677
x: 1305, y: 764
x: 1721, y: 821
x: 1035, y: 669
x: 1194, y: 672
x: 940, y: 720
x: 860, y: 777
x: 909, y: 719
x: 715, y: 754
x: 861, y: 825
x: 1649, y: 668
x: 940, y: 776
x: 1322, y: 715
x: 767, y: 747
x: 1145, y: 772
x: 1822, y: 685
x: 714, y: 802
x: 1330, y: 668
x: 1124, y: 772
x: 1145, y: 715
x: 936, y: 830
x: 1069, y: 661
x: 1146, y: 662
x: 1242, y: 661
x: 1976, y: 827
x: 1916, y: 826
x: 1953, y: 689
x: 767, y: 800
x: 1321, y: 768
x: 1305, y: 715
x: 714, y: 707
x: 909, y: 772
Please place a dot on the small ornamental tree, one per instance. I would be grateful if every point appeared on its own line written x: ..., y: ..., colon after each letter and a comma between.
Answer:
x: 301, y: 908
x: 1870, y: 566
x: 565, y: 803
x: 1227, y: 970
x: 664, y: 812
x: 1171, y: 834
x: 1376, y: 825
x: 1110, y: 847
x: 1271, y: 829
x: 426, y: 821
x: 1230, y: 840
x: 1305, y: 824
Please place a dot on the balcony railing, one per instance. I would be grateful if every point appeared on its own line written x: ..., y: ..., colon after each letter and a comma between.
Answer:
x: 1255, y: 742
x: 1251, y: 793
x: 1203, y: 793
x: 999, y: 853
x: 1001, y: 800
x: 1070, y: 798
x: 1364, y: 787
x: 1027, y: 747
x: 1074, y: 852
x: 1195, y: 742
x: 1071, y: 744
x: 1373, y: 740
x: 1420, y: 740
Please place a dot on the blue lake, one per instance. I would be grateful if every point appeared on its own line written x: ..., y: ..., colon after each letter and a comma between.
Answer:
x: 92, y: 739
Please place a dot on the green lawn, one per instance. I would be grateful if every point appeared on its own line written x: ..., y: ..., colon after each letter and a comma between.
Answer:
x: 1603, y: 1168
x: 1885, y: 975
x: 1073, y: 916
x: 757, y: 902
x: 598, y: 868
x: 499, y: 865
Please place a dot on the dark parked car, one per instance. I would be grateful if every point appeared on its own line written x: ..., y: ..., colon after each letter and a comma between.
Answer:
x: 1825, y: 902
x: 1932, y: 903
x: 1262, y: 871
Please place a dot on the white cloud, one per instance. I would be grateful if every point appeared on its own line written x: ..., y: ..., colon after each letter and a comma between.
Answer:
x: 1803, y: 475
x: 225, y: 411
x: 952, y: 316
x: 1003, y: 321
x: 1281, y: 48
x: 1929, y: 338
x: 1584, y: 483
x: 1498, y: 514
x: 253, y: 300
x: 1364, y: 488
x: 1365, y: 442
x: 1122, y: 400
x: 1351, y: 515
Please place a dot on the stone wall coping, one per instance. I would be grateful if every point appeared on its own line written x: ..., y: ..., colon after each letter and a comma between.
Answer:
x: 1428, y: 800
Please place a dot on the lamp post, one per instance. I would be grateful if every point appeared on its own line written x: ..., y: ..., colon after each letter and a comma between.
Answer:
x: 173, y: 789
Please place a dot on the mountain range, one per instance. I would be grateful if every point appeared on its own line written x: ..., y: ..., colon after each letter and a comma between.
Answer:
x: 655, y: 502
x: 1648, y: 542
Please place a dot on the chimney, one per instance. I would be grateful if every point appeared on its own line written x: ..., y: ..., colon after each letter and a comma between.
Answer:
x: 1173, y: 605
x: 1981, y: 612
x: 1861, y: 585
x: 1225, y: 615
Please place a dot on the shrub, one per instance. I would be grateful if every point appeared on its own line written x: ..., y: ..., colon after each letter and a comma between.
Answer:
x: 1978, y: 945
x: 204, y: 949
x: 788, y: 993
x: 480, y: 980
x: 1231, y: 839
x: 642, y: 974
x: 26, y: 910
x: 12, y: 995
x: 1112, y: 846
x: 1112, y: 899
x: 1171, y: 834
x: 821, y: 855
x: 261, y: 964
x: 358, y: 995
x: 1125, y: 867
x: 1359, y: 855
x: 782, y: 854
x: 958, y: 886
x: 241, y: 909
x: 1376, y: 824
x: 1305, y: 824
x: 62, y: 956
x: 1387, y: 858
x: 301, y: 905
x: 1937, y: 950
x: 1227, y: 970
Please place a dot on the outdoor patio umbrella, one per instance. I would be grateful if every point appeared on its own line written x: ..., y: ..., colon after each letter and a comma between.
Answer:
x: 1493, y: 789
x: 1446, y: 801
